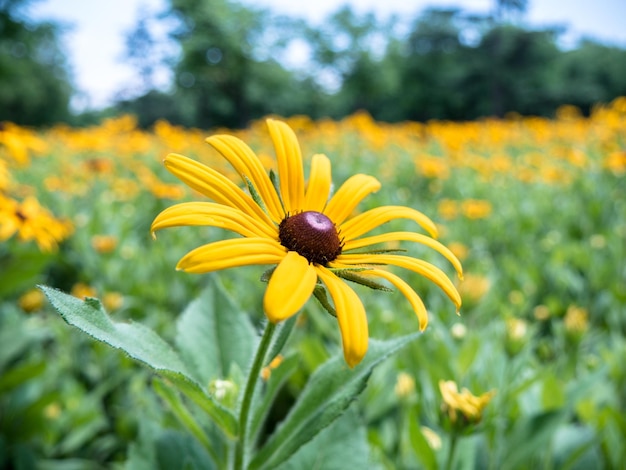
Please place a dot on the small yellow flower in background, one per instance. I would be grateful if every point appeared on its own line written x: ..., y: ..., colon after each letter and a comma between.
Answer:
x: 516, y: 335
x: 459, y: 249
x: 463, y: 408
x: 576, y: 321
x: 82, y: 290
x: 405, y: 385
x: 616, y: 162
x: 32, y: 300
x: 307, y: 234
x: 104, y: 243
x: 474, y: 287
x: 266, y: 372
x: 112, y: 301
x: 476, y: 208
x: 28, y: 220
x: 433, y: 167
x: 448, y: 209
x: 433, y: 439
x: 541, y: 312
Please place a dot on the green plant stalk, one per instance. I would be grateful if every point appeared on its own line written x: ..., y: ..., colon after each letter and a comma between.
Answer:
x: 454, y: 435
x: 244, y: 411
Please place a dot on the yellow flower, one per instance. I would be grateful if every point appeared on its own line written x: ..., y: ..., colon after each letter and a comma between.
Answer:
x: 405, y: 385
x: 32, y: 300
x: 576, y: 320
x: 82, y: 290
x: 30, y: 221
x: 104, y: 243
x: 310, y: 238
x: 469, y: 406
x: 476, y: 208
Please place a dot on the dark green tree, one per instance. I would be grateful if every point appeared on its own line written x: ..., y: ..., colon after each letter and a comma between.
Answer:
x: 592, y: 73
x: 34, y: 81
x: 435, y: 67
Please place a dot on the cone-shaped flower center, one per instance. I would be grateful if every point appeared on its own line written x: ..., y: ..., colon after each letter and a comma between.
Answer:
x: 312, y: 235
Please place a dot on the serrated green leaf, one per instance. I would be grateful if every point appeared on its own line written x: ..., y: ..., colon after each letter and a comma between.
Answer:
x: 213, y: 334
x: 138, y: 341
x: 142, y: 344
x: 340, y: 446
x: 329, y: 391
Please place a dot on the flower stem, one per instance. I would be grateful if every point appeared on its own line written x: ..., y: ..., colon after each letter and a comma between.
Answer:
x: 244, y: 411
x: 451, y: 449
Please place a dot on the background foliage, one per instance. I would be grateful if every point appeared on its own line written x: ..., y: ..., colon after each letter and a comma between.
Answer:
x: 232, y: 64
x: 535, y: 208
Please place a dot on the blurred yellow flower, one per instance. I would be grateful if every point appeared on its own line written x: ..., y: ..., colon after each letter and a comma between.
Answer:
x: 405, y: 385
x: 459, y: 249
x: 463, y: 407
x: 308, y: 236
x: 433, y: 439
x: 112, y: 301
x: 30, y: 221
x: 82, y: 290
x: 104, y: 243
x: 576, y: 320
x: 448, y: 209
x: 476, y: 208
x: 32, y: 300
x: 474, y: 287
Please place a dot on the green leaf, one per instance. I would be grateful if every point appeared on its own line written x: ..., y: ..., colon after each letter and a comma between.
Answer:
x: 340, y: 446
x: 418, y: 441
x: 213, y: 334
x: 184, y: 416
x: 529, y: 435
x: 140, y: 343
x: 329, y: 391
x: 263, y: 405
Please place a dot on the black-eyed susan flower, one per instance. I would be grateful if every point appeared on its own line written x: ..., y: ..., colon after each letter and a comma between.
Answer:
x: 28, y: 220
x: 308, y: 235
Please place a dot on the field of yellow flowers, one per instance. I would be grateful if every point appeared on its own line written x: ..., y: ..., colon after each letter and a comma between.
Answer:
x: 534, y: 208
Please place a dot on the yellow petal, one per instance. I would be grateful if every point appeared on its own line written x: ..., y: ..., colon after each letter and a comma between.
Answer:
x: 214, y: 215
x: 407, y: 236
x: 318, y: 188
x: 371, y: 219
x: 232, y: 253
x: 349, y: 195
x: 350, y: 315
x: 290, y: 286
x: 213, y: 185
x: 429, y: 271
x: 289, y: 159
x: 416, y: 302
x: 248, y: 165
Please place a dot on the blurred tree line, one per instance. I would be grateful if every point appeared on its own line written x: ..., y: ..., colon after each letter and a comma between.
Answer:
x: 231, y: 64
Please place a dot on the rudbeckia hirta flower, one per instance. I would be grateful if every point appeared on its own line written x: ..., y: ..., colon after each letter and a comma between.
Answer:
x: 308, y: 235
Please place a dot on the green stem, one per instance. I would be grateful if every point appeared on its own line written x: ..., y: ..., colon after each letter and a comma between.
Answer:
x: 453, y: 440
x: 246, y: 403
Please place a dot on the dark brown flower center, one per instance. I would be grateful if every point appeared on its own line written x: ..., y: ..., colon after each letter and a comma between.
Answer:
x: 312, y: 235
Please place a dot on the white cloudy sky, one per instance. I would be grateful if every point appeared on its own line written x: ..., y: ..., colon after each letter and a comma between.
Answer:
x: 95, y: 39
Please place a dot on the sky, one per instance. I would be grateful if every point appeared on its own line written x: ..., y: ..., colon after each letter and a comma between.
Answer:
x: 95, y: 30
